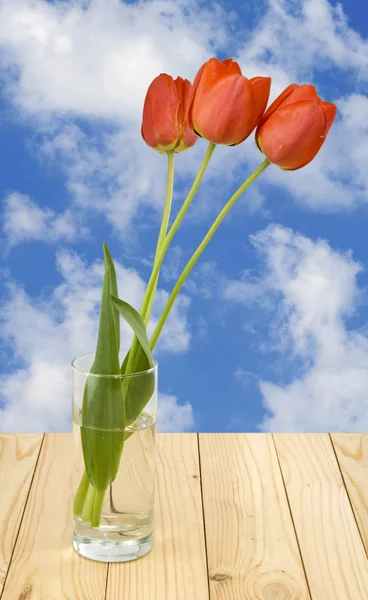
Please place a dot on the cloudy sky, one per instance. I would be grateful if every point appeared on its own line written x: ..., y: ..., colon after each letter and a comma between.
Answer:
x: 270, y: 331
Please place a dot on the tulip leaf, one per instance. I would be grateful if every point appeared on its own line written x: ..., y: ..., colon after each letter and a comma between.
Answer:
x: 113, y: 288
x: 125, y: 363
x: 103, y: 413
x: 134, y: 319
x: 139, y: 389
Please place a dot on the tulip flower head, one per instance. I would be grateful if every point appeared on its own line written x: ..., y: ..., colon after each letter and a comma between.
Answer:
x: 294, y: 127
x: 225, y: 106
x: 165, y: 124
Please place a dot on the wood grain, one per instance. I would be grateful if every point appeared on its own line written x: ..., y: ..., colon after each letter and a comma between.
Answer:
x: 176, y: 570
x: 352, y: 454
x: 252, y: 548
x: 333, y: 553
x: 18, y: 457
x: 44, y: 565
x: 251, y: 545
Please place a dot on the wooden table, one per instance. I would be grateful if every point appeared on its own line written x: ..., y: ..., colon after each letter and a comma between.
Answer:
x: 238, y: 517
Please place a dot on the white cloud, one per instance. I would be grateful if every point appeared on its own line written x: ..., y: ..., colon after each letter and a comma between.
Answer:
x: 351, y: 134
x: 315, y: 36
x: 243, y: 290
x: 173, y: 416
x: 97, y: 57
x: 45, y: 334
x: 315, y: 290
x: 175, y: 335
x: 24, y: 220
x: 114, y: 174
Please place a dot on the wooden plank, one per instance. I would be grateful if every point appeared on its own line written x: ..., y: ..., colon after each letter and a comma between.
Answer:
x: 251, y: 545
x: 176, y: 569
x: 332, y: 550
x: 352, y: 454
x: 18, y: 457
x: 44, y: 564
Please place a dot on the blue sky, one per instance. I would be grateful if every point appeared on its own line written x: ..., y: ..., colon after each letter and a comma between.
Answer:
x: 270, y: 330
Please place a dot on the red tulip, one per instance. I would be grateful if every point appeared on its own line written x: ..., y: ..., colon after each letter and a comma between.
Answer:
x: 294, y: 127
x: 165, y: 115
x: 225, y: 106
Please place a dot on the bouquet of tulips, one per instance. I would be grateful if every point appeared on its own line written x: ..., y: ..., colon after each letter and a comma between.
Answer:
x: 223, y: 107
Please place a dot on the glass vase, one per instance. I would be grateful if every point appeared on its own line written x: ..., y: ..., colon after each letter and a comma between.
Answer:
x: 113, y: 521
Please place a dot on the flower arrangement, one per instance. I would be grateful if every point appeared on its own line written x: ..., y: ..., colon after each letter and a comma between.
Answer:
x: 223, y: 107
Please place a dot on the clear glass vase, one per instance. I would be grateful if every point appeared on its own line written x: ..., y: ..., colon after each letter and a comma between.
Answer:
x: 113, y: 520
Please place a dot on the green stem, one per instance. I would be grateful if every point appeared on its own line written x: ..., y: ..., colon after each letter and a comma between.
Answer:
x: 88, y: 505
x: 174, y: 227
x: 164, y: 223
x: 152, y: 283
x: 190, y: 264
x: 97, y: 507
x: 161, y: 237
x: 80, y: 496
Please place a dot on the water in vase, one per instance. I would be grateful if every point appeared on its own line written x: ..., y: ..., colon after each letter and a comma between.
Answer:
x: 126, y: 525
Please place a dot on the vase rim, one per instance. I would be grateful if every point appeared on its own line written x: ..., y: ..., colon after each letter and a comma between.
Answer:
x: 103, y: 375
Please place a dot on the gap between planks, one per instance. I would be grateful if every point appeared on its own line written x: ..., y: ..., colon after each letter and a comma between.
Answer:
x: 203, y: 516
x: 17, y: 475
x: 176, y: 569
x: 292, y: 518
x: 44, y: 564
x: 250, y: 490
x: 251, y: 544
x: 331, y: 546
x: 351, y: 451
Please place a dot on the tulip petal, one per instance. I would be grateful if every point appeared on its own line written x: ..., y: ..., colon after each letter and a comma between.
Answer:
x: 232, y: 67
x: 293, y: 135
x: 186, y: 89
x: 280, y: 100
x: 261, y: 88
x: 224, y: 112
x: 195, y: 85
x: 179, y: 84
x: 160, y: 123
x: 208, y: 74
x: 215, y: 68
x: 302, y: 92
x: 188, y: 137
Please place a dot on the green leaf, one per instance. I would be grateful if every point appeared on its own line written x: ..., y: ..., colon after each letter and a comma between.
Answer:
x: 107, y: 351
x: 113, y: 288
x: 140, y: 388
x: 103, y: 407
x: 134, y: 319
x: 125, y: 363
